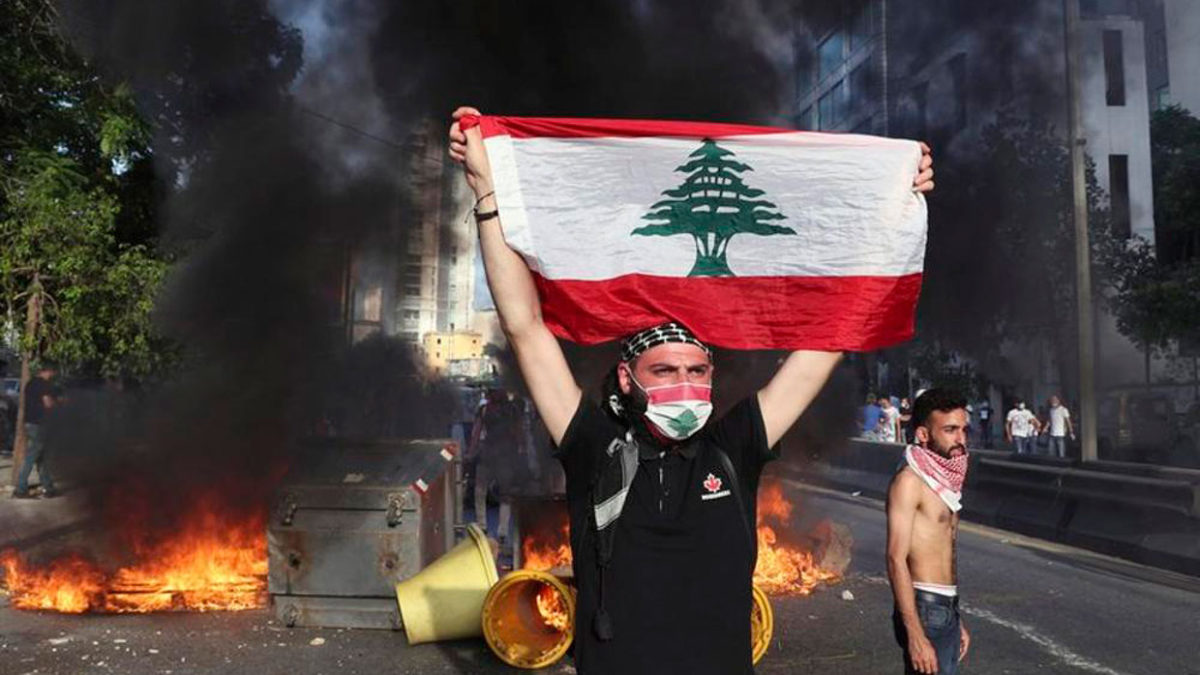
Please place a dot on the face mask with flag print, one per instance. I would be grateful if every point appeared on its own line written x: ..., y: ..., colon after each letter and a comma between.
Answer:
x: 677, y: 411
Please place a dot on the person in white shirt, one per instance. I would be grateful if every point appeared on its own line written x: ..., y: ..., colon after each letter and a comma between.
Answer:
x: 1021, y: 428
x: 1059, y: 426
x: 889, y: 421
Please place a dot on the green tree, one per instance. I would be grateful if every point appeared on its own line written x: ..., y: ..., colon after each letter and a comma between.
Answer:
x: 712, y: 205
x: 77, y: 268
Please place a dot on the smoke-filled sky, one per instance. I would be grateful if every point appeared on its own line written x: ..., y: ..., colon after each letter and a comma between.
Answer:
x: 287, y: 126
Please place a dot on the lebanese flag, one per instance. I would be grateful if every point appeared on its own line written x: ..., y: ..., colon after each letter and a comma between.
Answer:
x: 752, y: 237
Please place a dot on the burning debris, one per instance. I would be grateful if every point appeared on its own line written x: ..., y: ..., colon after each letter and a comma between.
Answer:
x: 548, y: 550
x: 210, y: 562
x: 783, y: 567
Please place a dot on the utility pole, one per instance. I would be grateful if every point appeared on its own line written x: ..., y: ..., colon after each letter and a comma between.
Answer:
x: 1083, y: 254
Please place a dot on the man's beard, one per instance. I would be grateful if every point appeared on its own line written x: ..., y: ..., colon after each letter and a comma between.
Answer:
x: 944, y: 451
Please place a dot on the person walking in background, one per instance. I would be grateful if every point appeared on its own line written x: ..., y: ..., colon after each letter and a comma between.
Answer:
x: 985, y: 423
x: 41, y: 396
x: 889, y: 421
x: 494, y: 453
x: 906, y: 413
x: 871, y: 414
x: 1059, y: 425
x: 1020, y: 428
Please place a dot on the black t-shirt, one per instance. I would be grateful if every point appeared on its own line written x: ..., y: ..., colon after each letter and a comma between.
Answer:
x: 35, y: 410
x: 678, y: 586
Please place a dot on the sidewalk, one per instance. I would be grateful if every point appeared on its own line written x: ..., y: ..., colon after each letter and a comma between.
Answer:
x: 26, y: 523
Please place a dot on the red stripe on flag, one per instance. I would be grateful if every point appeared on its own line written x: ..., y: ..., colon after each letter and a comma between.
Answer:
x: 582, y: 127
x: 825, y: 313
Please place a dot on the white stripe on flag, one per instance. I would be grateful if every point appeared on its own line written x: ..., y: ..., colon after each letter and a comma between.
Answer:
x: 570, y: 205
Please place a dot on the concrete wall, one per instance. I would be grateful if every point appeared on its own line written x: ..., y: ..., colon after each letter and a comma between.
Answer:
x: 1119, y: 130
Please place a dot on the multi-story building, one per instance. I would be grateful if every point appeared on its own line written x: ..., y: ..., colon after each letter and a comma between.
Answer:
x: 1116, y: 110
x: 437, y: 271
x: 455, y: 353
x: 841, y: 74
x: 1174, y: 32
x: 941, y: 70
x: 417, y: 278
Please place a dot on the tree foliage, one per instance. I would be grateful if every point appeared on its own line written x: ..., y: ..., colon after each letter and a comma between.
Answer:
x: 75, y: 205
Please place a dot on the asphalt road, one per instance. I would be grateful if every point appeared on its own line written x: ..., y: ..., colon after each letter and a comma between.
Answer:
x: 1032, y: 607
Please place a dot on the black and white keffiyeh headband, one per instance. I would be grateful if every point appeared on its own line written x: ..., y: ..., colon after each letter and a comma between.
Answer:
x: 634, y: 345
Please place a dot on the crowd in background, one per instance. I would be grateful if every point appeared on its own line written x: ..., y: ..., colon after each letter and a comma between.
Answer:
x: 888, y: 419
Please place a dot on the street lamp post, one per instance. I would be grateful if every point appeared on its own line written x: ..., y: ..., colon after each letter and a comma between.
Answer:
x: 1083, y: 271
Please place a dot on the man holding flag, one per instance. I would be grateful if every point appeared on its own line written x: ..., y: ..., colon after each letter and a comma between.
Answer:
x: 594, y: 247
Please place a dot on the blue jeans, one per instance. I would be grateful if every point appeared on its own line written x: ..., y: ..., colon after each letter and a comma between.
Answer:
x: 1024, y: 444
x: 1058, y: 446
x: 34, y: 456
x: 939, y: 618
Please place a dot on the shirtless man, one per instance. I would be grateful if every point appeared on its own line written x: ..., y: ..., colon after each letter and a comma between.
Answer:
x: 922, y: 508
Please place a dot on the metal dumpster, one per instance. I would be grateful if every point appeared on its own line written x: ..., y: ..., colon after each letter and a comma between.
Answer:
x: 350, y: 520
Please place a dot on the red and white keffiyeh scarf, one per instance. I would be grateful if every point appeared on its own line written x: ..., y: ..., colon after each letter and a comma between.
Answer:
x: 943, y: 475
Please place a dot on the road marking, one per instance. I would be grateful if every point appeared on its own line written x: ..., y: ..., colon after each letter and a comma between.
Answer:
x: 1058, y: 651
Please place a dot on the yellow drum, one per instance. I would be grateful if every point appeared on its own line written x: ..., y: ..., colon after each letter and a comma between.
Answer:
x: 762, y: 624
x: 529, y: 619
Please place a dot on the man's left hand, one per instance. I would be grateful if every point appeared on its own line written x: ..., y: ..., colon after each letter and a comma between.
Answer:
x: 964, y: 640
x: 924, y: 180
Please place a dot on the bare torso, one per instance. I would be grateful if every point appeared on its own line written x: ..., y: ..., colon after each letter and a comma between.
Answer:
x: 931, y: 556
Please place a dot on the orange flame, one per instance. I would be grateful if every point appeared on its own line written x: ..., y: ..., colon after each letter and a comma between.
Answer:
x: 208, y: 564
x: 551, y: 608
x: 782, y: 569
x: 549, y: 550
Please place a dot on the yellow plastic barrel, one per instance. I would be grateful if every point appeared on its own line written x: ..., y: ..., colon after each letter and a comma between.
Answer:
x: 529, y: 619
x: 444, y: 600
x: 762, y: 624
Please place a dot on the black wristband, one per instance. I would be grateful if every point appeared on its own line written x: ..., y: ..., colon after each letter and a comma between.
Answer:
x: 486, y: 215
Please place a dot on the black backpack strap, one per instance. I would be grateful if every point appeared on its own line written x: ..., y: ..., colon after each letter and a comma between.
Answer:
x: 736, y: 488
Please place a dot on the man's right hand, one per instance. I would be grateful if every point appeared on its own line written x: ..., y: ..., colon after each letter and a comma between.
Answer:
x: 921, y: 653
x: 466, y: 148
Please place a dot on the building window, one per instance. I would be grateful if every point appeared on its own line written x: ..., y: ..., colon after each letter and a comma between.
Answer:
x: 805, y: 119
x: 866, y: 126
x: 862, y: 86
x: 1162, y: 97
x: 412, y: 290
x: 861, y: 24
x: 1118, y: 195
x: 1114, y: 68
x: 958, y: 78
x: 830, y: 54
x: 832, y: 106
x: 412, y: 314
x: 804, y: 70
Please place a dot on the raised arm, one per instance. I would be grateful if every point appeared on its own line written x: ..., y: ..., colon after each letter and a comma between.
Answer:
x: 792, y: 389
x: 539, y: 356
